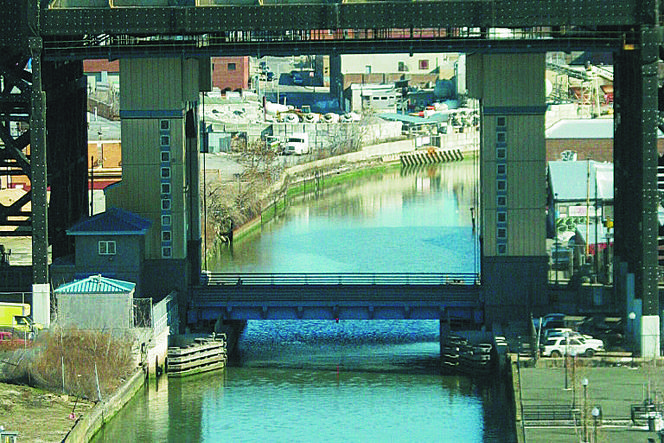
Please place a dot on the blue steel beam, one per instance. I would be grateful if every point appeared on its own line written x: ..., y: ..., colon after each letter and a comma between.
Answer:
x: 334, y: 301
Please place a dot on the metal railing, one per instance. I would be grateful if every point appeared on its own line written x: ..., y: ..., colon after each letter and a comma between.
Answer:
x: 360, y: 278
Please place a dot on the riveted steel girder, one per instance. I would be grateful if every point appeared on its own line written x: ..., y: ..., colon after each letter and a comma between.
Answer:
x: 469, y: 13
x: 636, y: 159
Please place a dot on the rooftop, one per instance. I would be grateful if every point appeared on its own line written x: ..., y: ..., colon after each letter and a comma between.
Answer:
x: 114, y: 221
x: 96, y: 284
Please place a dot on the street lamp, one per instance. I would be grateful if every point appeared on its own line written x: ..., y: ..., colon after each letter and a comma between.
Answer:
x: 584, y: 382
x: 595, y: 413
x: 566, y: 356
x: 573, y: 354
x: 555, y: 236
x: 632, y: 316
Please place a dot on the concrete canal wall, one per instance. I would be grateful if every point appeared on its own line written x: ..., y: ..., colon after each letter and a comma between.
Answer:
x: 88, y: 425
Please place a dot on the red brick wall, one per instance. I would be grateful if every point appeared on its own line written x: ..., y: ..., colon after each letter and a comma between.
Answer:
x: 222, y: 78
x: 600, y: 150
x: 101, y: 65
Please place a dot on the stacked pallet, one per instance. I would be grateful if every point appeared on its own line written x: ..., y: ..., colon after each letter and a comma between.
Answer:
x: 205, y: 354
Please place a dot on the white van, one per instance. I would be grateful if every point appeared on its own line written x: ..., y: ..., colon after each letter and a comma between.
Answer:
x: 297, y: 144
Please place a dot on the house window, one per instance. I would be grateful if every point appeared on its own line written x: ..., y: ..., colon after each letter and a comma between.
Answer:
x: 501, y: 153
x: 165, y: 236
x: 165, y: 188
x: 502, y: 233
x: 166, y: 252
x: 501, y: 169
x: 402, y: 67
x: 502, y: 249
x: 166, y: 172
x: 165, y: 140
x: 367, y: 69
x: 501, y: 122
x: 424, y: 64
x: 501, y: 136
x: 165, y: 220
x: 164, y: 125
x: 165, y: 204
x: 106, y: 247
x: 165, y: 156
x: 501, y: 201
x: 232, y: 67
x: 501, y: 185
x: 502, y: 217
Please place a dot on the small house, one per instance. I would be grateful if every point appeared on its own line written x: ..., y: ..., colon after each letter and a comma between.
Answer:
x: 111, y: 243
x: 96, y: 302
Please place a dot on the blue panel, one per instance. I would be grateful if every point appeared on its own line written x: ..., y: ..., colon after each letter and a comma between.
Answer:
x: 158, y: 113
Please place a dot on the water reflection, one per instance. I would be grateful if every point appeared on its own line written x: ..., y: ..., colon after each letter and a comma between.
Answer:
x: 419, y: 221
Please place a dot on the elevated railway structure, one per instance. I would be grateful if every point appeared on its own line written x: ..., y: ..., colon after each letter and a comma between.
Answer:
x: 168, y: 42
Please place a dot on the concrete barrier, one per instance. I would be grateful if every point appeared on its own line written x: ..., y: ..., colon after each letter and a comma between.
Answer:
x: 90, y: 423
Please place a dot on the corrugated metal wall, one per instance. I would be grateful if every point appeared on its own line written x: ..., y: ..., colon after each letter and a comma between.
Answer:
x: 513, y: 153
x: 154, y: 97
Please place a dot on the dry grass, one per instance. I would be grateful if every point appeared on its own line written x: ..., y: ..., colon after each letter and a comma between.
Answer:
x: 79, y: 353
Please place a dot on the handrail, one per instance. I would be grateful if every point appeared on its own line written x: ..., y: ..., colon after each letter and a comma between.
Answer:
x: 350, y: 278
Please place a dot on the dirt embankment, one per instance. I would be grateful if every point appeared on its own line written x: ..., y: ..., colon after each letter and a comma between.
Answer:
x: 38, y: 415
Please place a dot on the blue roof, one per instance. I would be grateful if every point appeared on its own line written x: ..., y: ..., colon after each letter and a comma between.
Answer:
x: 435, y: 118
x: 114, y: 221
x: 569, y: 180
x: 584, y: 128
x: 96, y: 284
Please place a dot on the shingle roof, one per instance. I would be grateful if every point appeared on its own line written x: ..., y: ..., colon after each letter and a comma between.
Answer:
x: 569, y: 180
x: 96, y: 284
x: 114, y: 221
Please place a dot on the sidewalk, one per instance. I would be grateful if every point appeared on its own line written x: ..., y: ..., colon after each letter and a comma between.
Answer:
x: 613, y: 389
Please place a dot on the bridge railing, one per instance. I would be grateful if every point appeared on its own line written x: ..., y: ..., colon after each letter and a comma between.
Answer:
x: 358, y: 278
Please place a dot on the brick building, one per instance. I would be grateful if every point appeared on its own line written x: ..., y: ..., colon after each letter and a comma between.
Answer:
x: 230, y: 73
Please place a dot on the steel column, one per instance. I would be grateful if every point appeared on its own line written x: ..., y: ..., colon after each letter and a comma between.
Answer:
x: 38, y: 180
x: 635, y: 157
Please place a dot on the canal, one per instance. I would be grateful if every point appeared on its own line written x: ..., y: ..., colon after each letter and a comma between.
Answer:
x: 351, y: 381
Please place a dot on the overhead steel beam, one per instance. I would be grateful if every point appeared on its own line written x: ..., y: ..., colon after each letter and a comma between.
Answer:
x: 57, y: 50
x: 470, y: 13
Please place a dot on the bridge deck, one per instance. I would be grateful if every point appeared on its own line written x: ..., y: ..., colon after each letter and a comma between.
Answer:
x: 337, y: 296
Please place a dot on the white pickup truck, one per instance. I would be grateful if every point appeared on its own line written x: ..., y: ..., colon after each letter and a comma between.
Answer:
x: 557, y: 346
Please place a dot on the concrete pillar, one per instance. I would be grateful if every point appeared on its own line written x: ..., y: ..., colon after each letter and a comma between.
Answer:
x: 510, y: 88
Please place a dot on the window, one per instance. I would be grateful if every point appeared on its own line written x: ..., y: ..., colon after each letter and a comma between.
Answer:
x: 165, y: 220
x: 367, y: 69
x: 166, y: 172
x: 164, y: 125
x: 402, y: 67
x: 502, y: 217
x: 502, y: 249
x: 165, y: 236
x: 501, y: 122
x: 165, y: 140
x: 166, y: 188
x: 165, y: 204
x: 106, y: 247
x: 501, y: 200
x: 165, y: 156
x: 166, y: 252
x: 501, y: 169
x: 501, y: 136
x: 501, y: 153
x: 501, y: 185
x: 232, y: 67
x: 424, y: 64
x: 502, y: 233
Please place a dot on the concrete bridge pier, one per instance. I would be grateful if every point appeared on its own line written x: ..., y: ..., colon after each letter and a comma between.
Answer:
x: 510, y: 88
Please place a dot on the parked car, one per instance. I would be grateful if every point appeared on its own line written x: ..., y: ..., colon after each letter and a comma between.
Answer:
x: 559, y: 346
